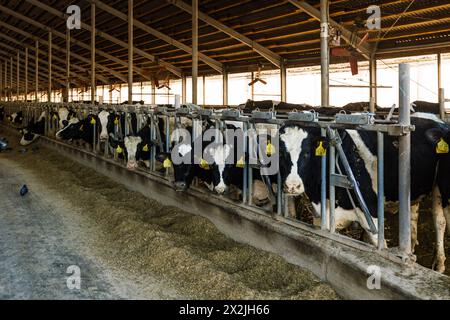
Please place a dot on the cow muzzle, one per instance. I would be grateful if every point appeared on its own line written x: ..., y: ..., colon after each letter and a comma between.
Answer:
x: 221, y: 189
x: 132, y: 165
x: 293, y: 189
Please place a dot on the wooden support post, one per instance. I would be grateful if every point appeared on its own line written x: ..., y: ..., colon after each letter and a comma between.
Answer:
x: 194, y: 50
x: 130, y: 51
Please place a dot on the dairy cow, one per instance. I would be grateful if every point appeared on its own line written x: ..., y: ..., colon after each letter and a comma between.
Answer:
x: 16, y: 118
x: 63, y: 115
x: 77, y: 129
x: 108, y: 120
x: 33, y: 131
x: 300, y: 172
x: 134, y: 148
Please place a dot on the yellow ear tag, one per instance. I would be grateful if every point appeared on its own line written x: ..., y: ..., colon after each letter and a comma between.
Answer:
x: 204, y: 164
x: 270, y: 149
x: 167, y: 163
x: 119, y: 149
x: 116, y: 121
x: 320, y: 150
x: 55, y: 117
x: 145, y: 148
x: 442, y: 147
x: 240, y: 163
x: 93, y: 121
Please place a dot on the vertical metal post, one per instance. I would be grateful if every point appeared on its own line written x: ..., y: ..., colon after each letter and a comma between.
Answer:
x: 26, y: 74
x: 183, y: 89
x: 1, y: 81
x: 194, y: 50
x: 204, y: 91
x: 225, y: 87
x: 440, y: 89
x: 130, y: 50
x: 253, y: 87
x: 247, y: 169
x: 442, y: 103
x: 18, y: 76
x: 153, y: 93
x: 380, y: 187
x: 11, y: 77
x: 5, y: 83
x: 36, y: 73
x: 373, y: 84
x: 283, y: 75
x: 323, y: 189
x: 332, y: 191
x: 404, y: 162
x: 439, y: 70
x: 49, y: 94
x: 93, y: 33
x: 68, y: 65
x: 325, y: 54
x: 279, y: 194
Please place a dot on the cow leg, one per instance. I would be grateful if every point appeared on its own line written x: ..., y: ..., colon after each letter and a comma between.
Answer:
x: 447, y: 217
x: 414, y: 220
x: 292, y: 211
x: 439, y: 225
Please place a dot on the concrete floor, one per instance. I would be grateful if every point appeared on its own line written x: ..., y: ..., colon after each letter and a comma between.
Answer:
x: 126, y: 246
x: 39, y: 240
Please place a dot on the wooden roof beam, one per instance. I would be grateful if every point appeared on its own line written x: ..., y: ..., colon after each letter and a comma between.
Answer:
x: 261, y: 50
x: 175, y: 70
x: 45, y: 42
x: 365, y: 50
x: 43, y: 74
x: 216, y: 65
x: 61, y: 35
x: 56, y: 58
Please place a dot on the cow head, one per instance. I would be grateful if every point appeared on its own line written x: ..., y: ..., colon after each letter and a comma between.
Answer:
x: 33, y: 130
x: 103, y: 117
x: 184, y: 171
x: 221, y: 166
x: 16, y: 117
x: 298, y: 160
x: 130, y: 149
x: 72, y: 130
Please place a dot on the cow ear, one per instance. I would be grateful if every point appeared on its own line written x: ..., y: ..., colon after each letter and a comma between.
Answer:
x: 434, y: 135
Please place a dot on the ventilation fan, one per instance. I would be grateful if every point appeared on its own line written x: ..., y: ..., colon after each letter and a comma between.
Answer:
x: 257, y: 78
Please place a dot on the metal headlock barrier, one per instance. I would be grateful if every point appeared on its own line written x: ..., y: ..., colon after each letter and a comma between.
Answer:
x: 330, y: 127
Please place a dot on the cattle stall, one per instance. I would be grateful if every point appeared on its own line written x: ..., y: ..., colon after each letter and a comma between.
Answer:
x: 161, y: 137
x: 335, y: 190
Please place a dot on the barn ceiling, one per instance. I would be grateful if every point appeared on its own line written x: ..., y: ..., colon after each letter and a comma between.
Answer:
x: 276, y: 29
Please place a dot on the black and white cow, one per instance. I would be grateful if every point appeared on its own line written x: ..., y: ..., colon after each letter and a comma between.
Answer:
x: 63, y: 115
x: 189, y: 168
x: 16, y: 118
x: 300, y: 172
x: 108, y: 121
x: 79, y: 129
x: 134, y: 148
x: 33, y: 131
